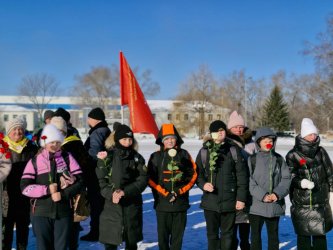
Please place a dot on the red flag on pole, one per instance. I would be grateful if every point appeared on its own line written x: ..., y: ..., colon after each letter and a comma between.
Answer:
x: 142, y: 120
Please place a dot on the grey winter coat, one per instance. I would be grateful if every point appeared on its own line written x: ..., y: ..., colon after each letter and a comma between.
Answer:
x: 270, y: 175
x: 5, y: 166
x: 310, y: 210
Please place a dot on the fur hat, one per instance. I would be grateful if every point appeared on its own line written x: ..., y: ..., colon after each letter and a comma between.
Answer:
x: 48, y: 114
x: 59, y: 123
x: 63, y: 113
x: 235, y: 119
x: 16, y: 122
x: 49, y: 134
x: 215, y: 126
x: 97, y: 114
x: 123, y: 131
x: 308, y: 127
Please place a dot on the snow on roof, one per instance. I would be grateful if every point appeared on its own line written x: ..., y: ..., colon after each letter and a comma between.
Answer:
x: 160, y: 104
x: 14, y: 108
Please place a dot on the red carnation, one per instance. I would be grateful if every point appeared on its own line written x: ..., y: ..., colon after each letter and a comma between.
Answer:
x: 269, y: 146
x: 1, y: 136
x: 302, y: 162
x: 7, y: 155
x: 44, y: 137
x: 2, y: 150
x: 5, y: 144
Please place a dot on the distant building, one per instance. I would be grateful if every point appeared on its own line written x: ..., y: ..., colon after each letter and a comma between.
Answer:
x: 191, y: 119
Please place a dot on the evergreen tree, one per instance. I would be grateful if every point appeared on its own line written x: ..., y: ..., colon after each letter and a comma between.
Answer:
x: 275, y: 111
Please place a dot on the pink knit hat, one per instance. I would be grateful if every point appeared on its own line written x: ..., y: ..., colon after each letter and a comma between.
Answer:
x: 235, y: 119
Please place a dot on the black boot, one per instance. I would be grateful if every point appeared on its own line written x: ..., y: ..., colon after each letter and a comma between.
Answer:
x: 21, y: 247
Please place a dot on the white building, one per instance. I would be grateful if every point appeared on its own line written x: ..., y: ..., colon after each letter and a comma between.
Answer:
x: 190, y: 119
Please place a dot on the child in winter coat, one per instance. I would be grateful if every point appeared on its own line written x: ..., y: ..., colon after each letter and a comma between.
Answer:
x: 224, y: 179
x: 172, y: 173
x: 122, y: 177
x: 269, y: 184
x: 311, y: 191
x: 51, y: 179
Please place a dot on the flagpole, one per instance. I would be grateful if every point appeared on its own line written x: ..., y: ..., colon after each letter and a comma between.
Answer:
x: 122, y: 114
x: 121, y: 86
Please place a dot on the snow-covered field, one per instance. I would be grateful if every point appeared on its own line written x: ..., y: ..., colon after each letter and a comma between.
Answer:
x: 195, y: 234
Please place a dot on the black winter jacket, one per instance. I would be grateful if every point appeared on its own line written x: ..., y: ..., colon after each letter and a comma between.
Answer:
x: 125, y: 170
x: 17, y: 200
x: 95, y: 141
x: 310, y: 210
x: 160, y: 182
x: 230, y: 179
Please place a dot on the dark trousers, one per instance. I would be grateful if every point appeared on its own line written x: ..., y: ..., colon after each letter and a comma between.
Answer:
x: 21, y: 220
x: 311, y: 242
x: 217, y: 222
x: 74, y: 237
x: 96, y: 202
x: 110, y: 247
x: 272, y: 225
x: 52, y: 233
x: 244, y: 233
x: 114, y: 247
x: 170, y: 228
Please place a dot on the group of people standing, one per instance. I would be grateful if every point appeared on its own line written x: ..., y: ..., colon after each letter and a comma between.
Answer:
x: 244, y: 183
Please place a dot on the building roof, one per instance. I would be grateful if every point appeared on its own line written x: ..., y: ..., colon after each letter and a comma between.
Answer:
x: 14, y: 108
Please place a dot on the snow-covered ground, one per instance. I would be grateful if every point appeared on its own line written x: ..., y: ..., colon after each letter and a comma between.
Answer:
x: 195, y: 234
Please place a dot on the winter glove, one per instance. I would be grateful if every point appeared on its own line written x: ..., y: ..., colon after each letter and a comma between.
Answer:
x: 306, y: 184
x: 172, y: 197
x: 66, y: 180
x: 331, y: 200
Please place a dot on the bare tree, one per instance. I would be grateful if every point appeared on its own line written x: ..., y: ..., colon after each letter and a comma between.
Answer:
x: 244, y: 94
x: 148, y: 86
x: 321, y: 95
x: 322, y: 52
x: 39, y: 89
x: 97, y: 87
x: 198, y: 94
x: 100, y: 86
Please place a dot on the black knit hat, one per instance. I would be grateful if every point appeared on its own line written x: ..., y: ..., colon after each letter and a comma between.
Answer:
x: 97, y: 114
x: 215, y: 126
x: 123, y: 131
x: 63, y: 113
x: 115, y: 125
x: 48, y: 114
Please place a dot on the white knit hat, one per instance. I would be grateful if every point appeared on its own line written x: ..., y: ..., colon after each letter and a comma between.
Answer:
x: 235, y: 119
x: 59, y: 123
x: 308, y: 127
x: 16, y: 122
x: 50, y: 134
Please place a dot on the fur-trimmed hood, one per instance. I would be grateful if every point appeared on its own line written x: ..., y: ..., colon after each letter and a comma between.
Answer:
x: 243, y: 139
x: 110, y: 142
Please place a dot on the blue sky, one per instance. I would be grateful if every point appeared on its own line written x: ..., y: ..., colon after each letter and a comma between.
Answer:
x: 172, y: 38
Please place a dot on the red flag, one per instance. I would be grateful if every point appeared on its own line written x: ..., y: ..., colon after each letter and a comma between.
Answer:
x: 142, y: 120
